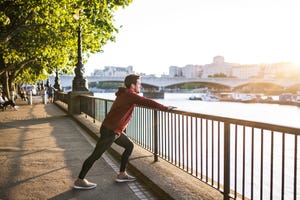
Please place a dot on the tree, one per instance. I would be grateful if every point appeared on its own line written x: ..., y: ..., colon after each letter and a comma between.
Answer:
x: 38, y: 36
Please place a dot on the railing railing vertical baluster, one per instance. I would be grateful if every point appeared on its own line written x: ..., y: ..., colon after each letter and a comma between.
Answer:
x: 172, y: 136
x: 155, y: 132
x: 244, y: 160
x: 169, y: 137
x: 139, y: 128
x: 165, y: 135
x: 94, y: 110
x: 175, y: 140
x: 201, y: 148
x: 212, y: 153
x: 192, y: 146
x: 261, y: 164
x: 272, y: 164
x: 196, y: 146
x: 150, y: 129
x: 283, y: 165
x: 295, y: 167
x: 187, y: 143
x: 105, y: 109
x: 146, y: 128
x: 252, y: 162
x: 235, y: 160
x: 218, y: 156
x: 182, y: 144
x: 143, y: 127
x: 206, y: 151
x: 226, y: 161
x: 179, y: 149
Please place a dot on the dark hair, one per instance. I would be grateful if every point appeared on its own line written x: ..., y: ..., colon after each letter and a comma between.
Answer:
x: 131, y: 79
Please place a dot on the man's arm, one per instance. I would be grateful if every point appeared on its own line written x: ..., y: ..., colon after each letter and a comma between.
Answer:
x: 149, y: 103
x: 171, y: 107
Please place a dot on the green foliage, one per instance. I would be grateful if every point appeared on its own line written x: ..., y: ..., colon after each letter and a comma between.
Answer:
x: 38, y: 36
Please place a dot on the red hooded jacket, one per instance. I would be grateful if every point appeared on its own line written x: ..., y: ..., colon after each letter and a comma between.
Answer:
x: 121, y: 111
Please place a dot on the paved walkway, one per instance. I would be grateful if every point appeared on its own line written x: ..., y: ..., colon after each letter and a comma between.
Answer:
x: 41, y: 153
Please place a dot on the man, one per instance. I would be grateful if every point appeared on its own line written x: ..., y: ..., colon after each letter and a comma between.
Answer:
x: 113, y: 126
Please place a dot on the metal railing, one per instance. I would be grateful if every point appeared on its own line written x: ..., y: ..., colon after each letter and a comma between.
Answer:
x: 242, y: 159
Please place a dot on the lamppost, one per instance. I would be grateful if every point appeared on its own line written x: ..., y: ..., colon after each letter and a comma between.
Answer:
x: 79, y: 82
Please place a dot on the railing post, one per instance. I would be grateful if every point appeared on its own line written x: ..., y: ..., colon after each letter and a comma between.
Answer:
x: 12, y: 96
x: 74, y: 105
x: 155, y: 136
x: 45, y: 97
x: 94, y: 109
x: 226, y: 161
x: 105, y: 108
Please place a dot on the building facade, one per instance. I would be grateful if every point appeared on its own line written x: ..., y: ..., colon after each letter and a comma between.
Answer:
x: 188, y: 71
x: 246, y: 71
x: 112, y: 71
x: 218, y: 66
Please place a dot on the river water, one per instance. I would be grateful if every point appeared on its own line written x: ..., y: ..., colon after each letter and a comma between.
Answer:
x: 268, y: 113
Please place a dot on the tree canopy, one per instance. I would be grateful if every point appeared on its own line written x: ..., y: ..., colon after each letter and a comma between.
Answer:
x: 38, y: 36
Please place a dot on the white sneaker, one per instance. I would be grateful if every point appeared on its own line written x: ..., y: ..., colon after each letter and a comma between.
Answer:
x: 125, y: 178
x: 16, y: 107
x: 84, y: 184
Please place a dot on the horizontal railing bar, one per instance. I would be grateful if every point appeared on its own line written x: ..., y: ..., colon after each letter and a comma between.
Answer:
x: 278, y: 128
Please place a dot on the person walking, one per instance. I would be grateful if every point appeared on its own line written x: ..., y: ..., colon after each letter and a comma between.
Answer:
x: 113, y: 127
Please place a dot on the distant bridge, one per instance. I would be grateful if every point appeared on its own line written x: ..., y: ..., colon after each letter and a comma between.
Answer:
x: 165, y: 82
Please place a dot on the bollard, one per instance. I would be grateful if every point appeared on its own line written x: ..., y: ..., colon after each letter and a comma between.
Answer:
x: 13, y: 96
x: 30, y: 98
x: 45, y: 97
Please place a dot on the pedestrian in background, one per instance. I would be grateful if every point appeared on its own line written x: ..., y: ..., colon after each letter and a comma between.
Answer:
x: 50, y: 92
x: 113, y: 127
x: 4, y: 103
x: 23, y: 94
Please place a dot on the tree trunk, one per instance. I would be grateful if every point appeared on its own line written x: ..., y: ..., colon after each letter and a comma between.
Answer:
x: 5, y: 84
x: 4, y: 78
x: 12, y: 85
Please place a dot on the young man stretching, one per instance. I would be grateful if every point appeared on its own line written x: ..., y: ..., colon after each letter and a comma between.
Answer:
x: 113, y: 126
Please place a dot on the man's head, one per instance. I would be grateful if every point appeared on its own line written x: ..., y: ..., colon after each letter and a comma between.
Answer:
x: 133, y: 82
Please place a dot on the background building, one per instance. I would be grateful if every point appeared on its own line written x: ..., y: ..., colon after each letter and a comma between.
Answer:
x: 175, y: 71
x: 267, y: 71
x: 188, y: 71
x: 112, y: 71
x: 246, y: 71
x: 219, y: 66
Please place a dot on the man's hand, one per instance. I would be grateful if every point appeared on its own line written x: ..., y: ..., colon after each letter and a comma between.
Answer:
x: 171, y: 107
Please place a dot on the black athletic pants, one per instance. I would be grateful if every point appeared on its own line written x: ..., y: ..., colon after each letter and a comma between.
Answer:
x: 105, y: 141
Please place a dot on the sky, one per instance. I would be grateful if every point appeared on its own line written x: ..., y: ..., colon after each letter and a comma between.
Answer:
x: 157, y: 34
